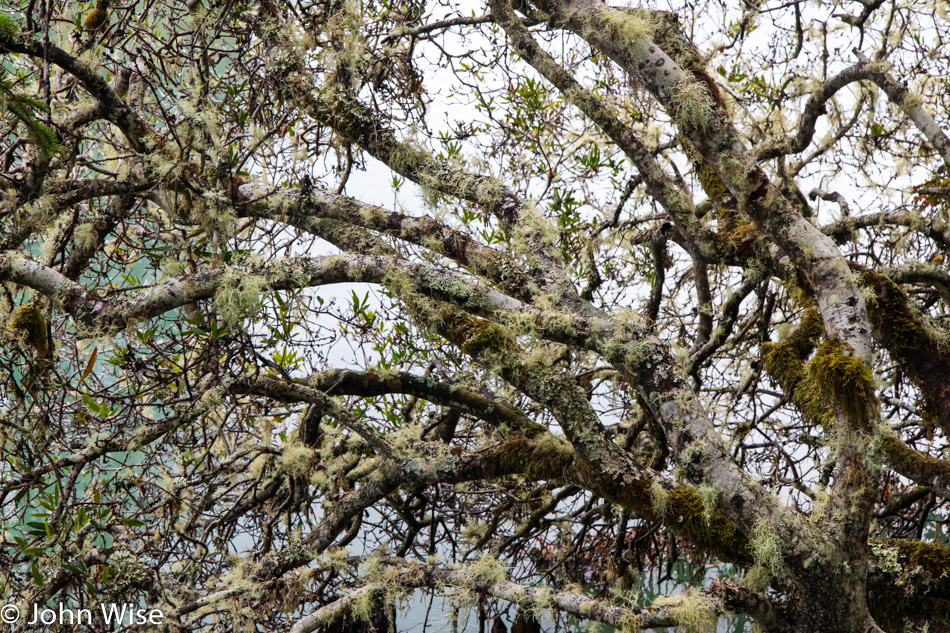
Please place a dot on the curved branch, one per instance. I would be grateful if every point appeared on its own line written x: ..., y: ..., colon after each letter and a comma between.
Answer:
x: 110, y: 105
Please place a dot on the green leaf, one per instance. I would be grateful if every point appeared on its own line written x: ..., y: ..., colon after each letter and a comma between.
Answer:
x: 89, y: 365
x: 37, y: 576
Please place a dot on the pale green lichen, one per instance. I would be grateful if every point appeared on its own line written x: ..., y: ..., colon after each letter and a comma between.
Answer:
x: 626, y: 25
x: 296, y: 458
x: 757, y: 578
x: 659, y: 498
x: 887, y: 558
x: 765, y: 547
x: 239, y: 295
x: 692, y: 106
x: 708, y: 494
x: 692, y: 611
x: 473, y: 532
x: 487, y: 569
x: 363, y: 605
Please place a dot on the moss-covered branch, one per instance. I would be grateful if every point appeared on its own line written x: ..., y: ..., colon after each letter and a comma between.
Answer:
x: 909, y: 583
x: 913, y: 344
x: 110, y: 105
x: 919, y: 467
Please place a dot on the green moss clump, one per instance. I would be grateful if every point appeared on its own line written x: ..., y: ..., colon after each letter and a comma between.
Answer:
x: 29, y: 319
x: 785, y: 363
x: 843, y: 379
x: 543, y: 458
x: 477, y: 336
x: 832, y: 378
x: 713, y: 532
x: 916, y: 347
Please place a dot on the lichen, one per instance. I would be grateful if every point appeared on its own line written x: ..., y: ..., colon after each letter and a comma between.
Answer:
x: 86, y: 236
x: 709, y: 494
x: 692, y: 611
x: 659, y: 497
x: 626, y: 25
x: 766, y: 548
x: 914, y: 584
x: 691, y: 105
x: 296, y: 458
x: 238, y: 295
x: 487, y: 569
x: 129, y: 571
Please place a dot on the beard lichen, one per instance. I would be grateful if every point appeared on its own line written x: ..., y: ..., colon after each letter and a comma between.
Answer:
x: 691, y: 106
x: 238, y: 295
x: 626, y: 24
x: 296, y: 458
x: 765, y: 547
x: 708, y: 494
x: 692, y: 611
x: 659, y: 498
x: 487, y: 569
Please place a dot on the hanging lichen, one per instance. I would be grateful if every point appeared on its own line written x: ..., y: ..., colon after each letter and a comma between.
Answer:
x: 239, y: 295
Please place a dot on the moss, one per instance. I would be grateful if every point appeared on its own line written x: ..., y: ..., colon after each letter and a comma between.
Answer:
x: 911, y: 463
x: 843, y: 379
x: 29, y: 319
x: 911, y: 342
x: 477, y: 336
x: 785, y: 363
x: 712, y: 532
x: 543, y: 458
